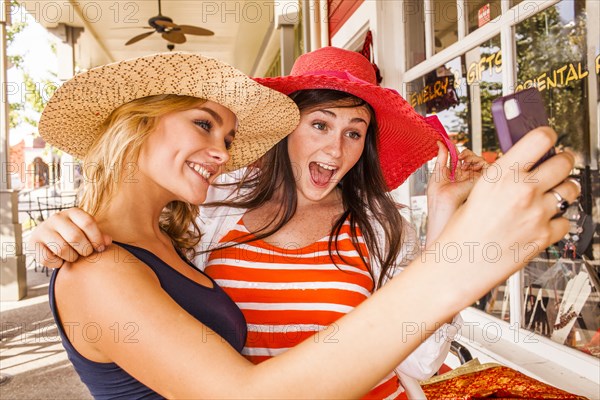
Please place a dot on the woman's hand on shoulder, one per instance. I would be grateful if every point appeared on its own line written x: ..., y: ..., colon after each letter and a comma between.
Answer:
x: 65, y: 236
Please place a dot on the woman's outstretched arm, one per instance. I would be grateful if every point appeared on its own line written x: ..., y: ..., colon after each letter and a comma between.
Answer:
x: 179, y: 357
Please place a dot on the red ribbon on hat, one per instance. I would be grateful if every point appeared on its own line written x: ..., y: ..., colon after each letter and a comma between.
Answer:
x: 338, y: 74
x: 435, y: 123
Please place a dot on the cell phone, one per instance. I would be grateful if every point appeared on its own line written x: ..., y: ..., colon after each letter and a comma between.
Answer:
x: 516, y: 114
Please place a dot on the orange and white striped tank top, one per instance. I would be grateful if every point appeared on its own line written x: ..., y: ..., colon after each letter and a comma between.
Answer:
x: 288, y: 293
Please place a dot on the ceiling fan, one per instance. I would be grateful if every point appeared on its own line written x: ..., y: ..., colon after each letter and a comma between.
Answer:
x: 169, y: 30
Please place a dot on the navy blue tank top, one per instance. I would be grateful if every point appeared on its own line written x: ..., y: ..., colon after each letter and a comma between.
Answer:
x: 211, y: 306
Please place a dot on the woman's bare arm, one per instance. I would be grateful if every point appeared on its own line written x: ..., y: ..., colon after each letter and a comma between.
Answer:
x: 179, y: 357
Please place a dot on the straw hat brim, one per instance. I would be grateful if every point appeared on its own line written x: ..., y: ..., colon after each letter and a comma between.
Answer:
x: 406, y: 140
x: 72, y: 119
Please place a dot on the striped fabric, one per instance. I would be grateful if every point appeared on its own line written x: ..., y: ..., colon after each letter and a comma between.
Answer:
x: 288, y: 293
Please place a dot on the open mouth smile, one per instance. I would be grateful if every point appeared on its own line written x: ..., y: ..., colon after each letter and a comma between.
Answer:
x: 321, y: 173
x: 202, y: 171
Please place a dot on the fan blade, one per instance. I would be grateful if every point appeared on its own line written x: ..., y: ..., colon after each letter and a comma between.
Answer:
x: 138, y: 38
x: 195, y: 30
x: 131, y: 27
x: 165, y: 24
x: 174, y: 36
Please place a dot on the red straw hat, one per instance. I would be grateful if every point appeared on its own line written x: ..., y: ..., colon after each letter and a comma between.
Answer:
x: 406, y: 139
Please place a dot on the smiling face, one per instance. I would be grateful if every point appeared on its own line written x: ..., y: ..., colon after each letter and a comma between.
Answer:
x: 187, y: 151
x: 326, y: 144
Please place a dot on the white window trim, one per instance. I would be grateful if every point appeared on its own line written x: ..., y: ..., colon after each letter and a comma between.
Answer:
x: 474, y: 39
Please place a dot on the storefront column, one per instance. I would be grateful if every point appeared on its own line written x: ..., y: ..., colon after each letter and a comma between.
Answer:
x: 13, y: 278
x: 324, y: 22
x: 319, y: 24
x: 68, y: 36
x: 4, y: 128
x: 286, y: 37
x: 593, y: 65
x: 306, y: 26
x: 429, y: 33
x: 315, y: 26
x: 515, y: 282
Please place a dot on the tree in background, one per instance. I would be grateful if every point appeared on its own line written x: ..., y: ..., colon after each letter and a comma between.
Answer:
x: 545, y: 43
x: 33, y: 92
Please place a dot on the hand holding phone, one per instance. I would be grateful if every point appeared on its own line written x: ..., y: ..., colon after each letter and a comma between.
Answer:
x: 516, y: 114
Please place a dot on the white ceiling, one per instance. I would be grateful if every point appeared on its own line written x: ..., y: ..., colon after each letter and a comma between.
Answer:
x: 240, y: 27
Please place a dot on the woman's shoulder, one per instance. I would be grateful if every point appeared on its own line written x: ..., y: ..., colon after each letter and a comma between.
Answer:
x: 99, y: 273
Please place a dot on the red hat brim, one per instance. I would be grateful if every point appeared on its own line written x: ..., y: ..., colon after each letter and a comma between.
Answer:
x: 406, y: 141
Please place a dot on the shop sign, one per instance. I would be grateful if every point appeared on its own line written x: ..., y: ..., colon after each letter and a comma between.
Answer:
x: 484, y: 15
x: 492, y: 62
x: 430, y: 92
x: 438, y: 95
x: 558, y: 77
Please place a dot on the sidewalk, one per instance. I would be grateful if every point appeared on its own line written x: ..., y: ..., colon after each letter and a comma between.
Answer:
x: 33, y: 363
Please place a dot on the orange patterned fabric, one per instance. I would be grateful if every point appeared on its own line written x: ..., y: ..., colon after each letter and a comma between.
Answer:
x: 497, y: 383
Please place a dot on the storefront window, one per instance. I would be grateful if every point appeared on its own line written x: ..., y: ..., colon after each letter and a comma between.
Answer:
x: 445, y: 24
x: 442, y: 92
x: 484, y: 78
x: 481, y: 12
x: 561, y: 286
x: 415, y: 32
x: 460, y: 93
x: 551, y: 55
x: 561, y: 289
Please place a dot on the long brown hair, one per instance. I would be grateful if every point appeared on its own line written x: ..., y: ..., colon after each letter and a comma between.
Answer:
x: 364, y: 192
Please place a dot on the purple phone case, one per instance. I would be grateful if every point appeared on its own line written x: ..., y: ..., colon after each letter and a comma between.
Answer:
x: 532, y: 115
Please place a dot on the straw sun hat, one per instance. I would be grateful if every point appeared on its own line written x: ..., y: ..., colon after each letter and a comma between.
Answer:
x: 73, y: 117
x: 406, y: 139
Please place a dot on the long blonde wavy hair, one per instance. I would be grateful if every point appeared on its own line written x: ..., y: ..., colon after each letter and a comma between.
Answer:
x: 113, y: 154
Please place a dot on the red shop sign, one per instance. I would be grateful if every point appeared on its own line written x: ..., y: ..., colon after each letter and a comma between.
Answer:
x: 484, y: 15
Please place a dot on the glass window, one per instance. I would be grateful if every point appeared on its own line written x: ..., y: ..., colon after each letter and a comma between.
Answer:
x: 484, y: 78
x: 561, y: 301
x: 551, y: 55
x: 561, y: 290
x: 460, y: 93
x: 442, y: 92
x: 445, y: 24
x: 414, y: 23
x: 481, y: 12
